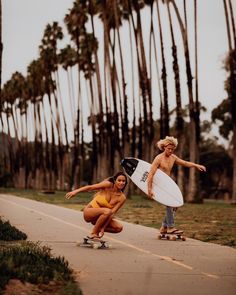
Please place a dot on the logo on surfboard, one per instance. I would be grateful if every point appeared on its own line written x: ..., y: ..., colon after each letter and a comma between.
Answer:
x: 144, y: 177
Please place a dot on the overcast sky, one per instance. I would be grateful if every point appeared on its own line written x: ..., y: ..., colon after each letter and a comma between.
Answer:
x: 24, y: 22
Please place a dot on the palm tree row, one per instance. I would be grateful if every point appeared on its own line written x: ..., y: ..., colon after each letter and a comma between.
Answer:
x: 118, y: 77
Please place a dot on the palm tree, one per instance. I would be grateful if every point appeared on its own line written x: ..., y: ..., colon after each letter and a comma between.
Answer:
x: 179, y: 126
x: 19, y: 95
x: 231, y: 82
x: 126, y: 9
x: 74, y: 21
x: 86, y: 45
x: 197, y: 104
x: 49, y: 57
x: 144, y: 83
x: 7, y: 102
x: 118, y: 14
x: 129, y: 6
x: 110, y: 15
x: 192, y: 194
x: 36, y: 92
x: 164, y: 104
x: 68, y: 59
x: 102, y: 117
x: 8, y: 97
x: 52, y: 164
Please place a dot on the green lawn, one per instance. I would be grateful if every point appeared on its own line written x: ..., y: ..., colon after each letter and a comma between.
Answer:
x: 212, y: 221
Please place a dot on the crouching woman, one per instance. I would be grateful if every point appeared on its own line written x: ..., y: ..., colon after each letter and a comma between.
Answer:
x: 106, y: 203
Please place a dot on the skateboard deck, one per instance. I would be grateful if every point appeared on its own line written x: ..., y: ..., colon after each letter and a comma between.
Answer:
x: 94, y: 243
x: 172, y: 237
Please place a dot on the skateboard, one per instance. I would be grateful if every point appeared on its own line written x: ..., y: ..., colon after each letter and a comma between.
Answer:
x: 172, y: 237
x: 94, y: 243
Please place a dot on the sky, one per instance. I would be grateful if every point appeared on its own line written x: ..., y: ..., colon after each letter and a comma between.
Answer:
x: 24, y: 22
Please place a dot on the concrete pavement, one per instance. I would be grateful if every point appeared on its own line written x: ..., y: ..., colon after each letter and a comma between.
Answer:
x: 138, y: 262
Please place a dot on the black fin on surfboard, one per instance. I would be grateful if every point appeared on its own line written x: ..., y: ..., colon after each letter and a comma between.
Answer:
x: 129, y: 164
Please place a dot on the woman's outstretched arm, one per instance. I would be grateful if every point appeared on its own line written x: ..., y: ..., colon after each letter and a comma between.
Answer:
x: 93, y: 187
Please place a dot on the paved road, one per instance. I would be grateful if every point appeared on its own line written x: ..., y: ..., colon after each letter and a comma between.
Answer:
x: 137, y: 264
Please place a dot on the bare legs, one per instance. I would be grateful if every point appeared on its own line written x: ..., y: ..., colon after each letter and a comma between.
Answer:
x: 102, y: 220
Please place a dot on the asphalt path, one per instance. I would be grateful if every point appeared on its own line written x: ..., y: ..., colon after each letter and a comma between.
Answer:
x: 138, y: 263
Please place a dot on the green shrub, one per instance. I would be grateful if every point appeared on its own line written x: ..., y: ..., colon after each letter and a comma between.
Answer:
x: 10, y: 233
x: 32, y: 263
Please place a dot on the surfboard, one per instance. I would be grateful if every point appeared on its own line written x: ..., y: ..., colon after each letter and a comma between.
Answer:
x: 166, y: 191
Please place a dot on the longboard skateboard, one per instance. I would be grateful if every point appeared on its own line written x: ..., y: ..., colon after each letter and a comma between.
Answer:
x: 172, y: 237
x: 94, y: 243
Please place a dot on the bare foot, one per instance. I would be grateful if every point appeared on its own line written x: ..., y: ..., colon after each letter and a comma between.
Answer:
x: 101, y: 234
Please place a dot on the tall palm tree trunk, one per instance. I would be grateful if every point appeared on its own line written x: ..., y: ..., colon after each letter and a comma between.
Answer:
x: 192, y: 193
x: 145, y: 88
x: 125, y: 121
x: 102, y: 144
x: 179, y: 113
x: 165, y: 108
x: 197, y: 104
x: 232, y: 84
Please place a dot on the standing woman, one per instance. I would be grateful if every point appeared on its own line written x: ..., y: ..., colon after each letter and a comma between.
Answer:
x: 105, y: 204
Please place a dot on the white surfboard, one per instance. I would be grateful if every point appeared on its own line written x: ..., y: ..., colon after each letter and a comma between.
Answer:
x: 166, y: 191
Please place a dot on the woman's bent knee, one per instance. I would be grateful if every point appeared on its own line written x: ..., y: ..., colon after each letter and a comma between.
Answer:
x: 92, y: 214
x: 87, y: 219
x: 119, y: 228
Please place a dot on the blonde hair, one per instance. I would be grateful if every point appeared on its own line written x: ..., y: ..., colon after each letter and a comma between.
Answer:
x: 168, y: 140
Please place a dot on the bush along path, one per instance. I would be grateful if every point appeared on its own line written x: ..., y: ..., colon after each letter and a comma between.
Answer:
x: 10, y: 233
x: 30, y: 267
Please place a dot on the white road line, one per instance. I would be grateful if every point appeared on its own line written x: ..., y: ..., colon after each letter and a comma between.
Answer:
x: 165, y: 258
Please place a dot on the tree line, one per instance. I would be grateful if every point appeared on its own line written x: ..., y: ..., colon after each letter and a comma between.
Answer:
x: 37, y: 150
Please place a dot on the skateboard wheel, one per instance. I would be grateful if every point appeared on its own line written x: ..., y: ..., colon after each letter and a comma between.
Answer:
x: 95, y: 246
x: 183, y: 239
x: 173, y: 239
x: 168, y: 238
x: 86, y: 242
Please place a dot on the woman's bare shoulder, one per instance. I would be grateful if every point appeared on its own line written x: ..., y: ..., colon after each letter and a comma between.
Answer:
x: 105, y: 184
